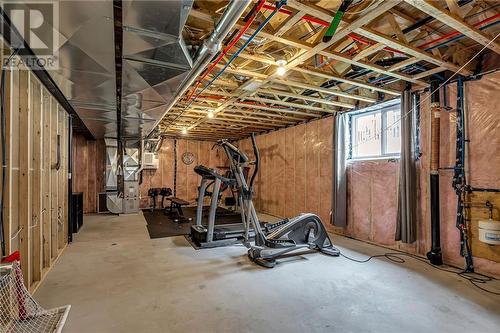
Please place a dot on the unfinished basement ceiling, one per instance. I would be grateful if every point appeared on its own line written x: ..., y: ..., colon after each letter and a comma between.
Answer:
x: 154, y: 60
x: 379, y: 48
x: 148, y: 49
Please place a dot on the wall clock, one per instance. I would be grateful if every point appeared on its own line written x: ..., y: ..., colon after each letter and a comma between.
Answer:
x: 188, y: 158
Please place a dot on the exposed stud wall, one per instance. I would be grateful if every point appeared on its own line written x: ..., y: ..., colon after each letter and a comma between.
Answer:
x: 35, y: 207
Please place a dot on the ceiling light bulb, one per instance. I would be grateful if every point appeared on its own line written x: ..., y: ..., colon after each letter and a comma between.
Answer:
x: 184, y: 131
x: 210, y: 114
x: 281, y: 67
x: 281, y: 62
x: 281, y: 71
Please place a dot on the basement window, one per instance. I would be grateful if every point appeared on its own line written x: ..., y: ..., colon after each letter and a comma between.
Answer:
x: 375, y: 132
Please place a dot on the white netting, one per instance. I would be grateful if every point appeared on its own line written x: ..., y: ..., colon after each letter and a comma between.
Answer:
x: 19, y: 312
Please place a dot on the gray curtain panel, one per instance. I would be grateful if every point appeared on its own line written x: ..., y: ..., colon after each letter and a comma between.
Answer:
x: 339, y: 202
x: 406, y: 228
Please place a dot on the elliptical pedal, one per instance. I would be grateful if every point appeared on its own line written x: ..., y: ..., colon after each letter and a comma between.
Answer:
x: 331, y: 251
x: 267, y: 263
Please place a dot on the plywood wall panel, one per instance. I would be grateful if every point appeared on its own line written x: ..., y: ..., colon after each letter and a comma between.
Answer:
x: 192, y: 179
x: 187, y: 180
x: 91, y: 194
x: 181, y: 170
x: 168, y: 162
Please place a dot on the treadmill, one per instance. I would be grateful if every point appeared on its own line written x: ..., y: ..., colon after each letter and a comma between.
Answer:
x: 214, y: 235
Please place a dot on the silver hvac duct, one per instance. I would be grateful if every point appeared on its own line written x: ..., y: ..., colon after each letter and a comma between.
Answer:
x: 210, y: 47
x: 122, y: 175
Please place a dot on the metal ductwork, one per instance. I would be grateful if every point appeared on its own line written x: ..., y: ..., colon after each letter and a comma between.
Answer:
x: 156, y: 70
x: 123, y: 167
x: 210, y: 47
x: 155, y: 61
x: 122, y: 65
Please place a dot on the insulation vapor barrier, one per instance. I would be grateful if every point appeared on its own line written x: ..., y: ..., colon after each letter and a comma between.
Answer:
x: 299, y: 159
x: 372, y: 185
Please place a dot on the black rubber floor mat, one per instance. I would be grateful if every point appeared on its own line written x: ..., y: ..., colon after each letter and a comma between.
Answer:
x: 169, y: 229
x: 160, y: 225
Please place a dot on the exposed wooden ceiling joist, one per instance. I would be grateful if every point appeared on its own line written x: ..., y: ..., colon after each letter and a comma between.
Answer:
x: 451, y: 20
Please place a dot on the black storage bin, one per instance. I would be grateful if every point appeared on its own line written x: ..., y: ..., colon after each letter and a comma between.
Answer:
x: 76, y: 211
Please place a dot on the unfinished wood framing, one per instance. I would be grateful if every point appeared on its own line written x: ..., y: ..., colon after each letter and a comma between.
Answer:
x: 323, y: 77
x: 35, y: 191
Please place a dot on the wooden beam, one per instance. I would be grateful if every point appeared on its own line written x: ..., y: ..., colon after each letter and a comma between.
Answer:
x: 326, y: 91
x: 403, y: 63
x: 9, y: 113
x: 265, y: 114
x: 328, y: 75
x: 455, y: 22
x: 375, y: 68
x: 453, y: 7
x: 303, y: 97
x: 37, y: 190
x: 289, y: 23
x: 24, y: 185
x: 46, y: 216
x: 269, y: 108
x: 411, y: 50
x: 379, y: 8
x: 356, y: 83
x: 343, y: 58
x: 368, y: 51
x: 428, y: 73
x: 53, y: 179
x: 397, y: 29
x: 387, y: 40
x: 293, y: 105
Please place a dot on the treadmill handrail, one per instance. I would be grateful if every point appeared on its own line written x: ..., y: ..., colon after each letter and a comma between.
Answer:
x: 205, y: 171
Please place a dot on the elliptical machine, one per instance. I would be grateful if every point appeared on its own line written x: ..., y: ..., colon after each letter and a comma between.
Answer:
x: 305, y: 231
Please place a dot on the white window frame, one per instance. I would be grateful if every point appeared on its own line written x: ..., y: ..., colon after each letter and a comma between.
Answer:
x: 383, y: 109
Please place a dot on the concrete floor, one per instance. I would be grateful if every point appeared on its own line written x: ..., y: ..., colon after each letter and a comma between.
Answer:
x: 119, y: 280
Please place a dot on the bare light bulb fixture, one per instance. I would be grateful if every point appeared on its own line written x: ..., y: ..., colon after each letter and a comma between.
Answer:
x: 281, y: 67
x: 184, y: 131
x: 210, y: 114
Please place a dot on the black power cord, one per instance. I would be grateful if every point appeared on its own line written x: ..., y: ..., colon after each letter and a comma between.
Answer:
x: 474, y: 278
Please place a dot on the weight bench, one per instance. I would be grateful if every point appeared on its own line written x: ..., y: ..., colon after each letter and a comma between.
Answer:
x: 175, y: 209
